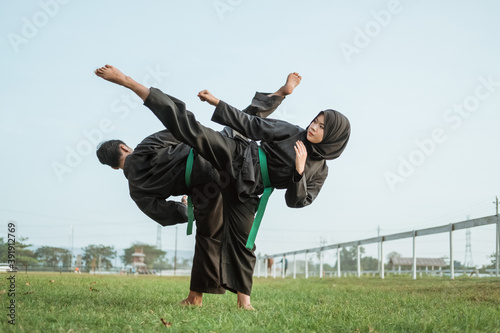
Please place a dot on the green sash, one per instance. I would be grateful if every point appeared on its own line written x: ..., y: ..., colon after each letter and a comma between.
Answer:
x: 189, y: 169
x: 268, y: 189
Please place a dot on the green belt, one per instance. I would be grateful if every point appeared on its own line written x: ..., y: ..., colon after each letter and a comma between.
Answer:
x: 268, y: 189
x: 189, y: 169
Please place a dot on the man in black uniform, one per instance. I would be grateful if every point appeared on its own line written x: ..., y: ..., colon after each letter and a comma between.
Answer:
x: 155, y: 170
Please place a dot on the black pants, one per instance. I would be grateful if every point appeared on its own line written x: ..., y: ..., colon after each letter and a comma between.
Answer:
x: 231, y: 157
x: 205, y: 273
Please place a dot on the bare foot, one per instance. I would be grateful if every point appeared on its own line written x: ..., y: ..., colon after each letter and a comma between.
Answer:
x: 194, y: 298
x: 244, y: 302
x: 111, y: 74
x: 292, y: 81
x: 246, y: 307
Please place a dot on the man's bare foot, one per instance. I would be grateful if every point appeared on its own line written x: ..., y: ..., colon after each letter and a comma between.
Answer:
x: 194, y: 298
x: 244, y: 302
x: 111, y: 74
x: 292, y: 81
x: 246, y: 307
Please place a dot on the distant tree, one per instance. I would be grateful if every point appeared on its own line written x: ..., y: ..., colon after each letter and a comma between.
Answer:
x: 92, y: 252
x: 53, y: 256
x: 493, y: 257
x: 155, y: 258
x: 369, y: 264
x: 185, y: 263
x: 349, y: 260
x: 3, y: 251
x: 393, y: 254
x: 490, y: 266
x: 24, y: 256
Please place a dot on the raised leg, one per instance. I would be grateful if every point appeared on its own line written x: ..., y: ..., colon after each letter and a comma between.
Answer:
x: 210, y: 144
x: 114, y: 75
x: 292, y: 81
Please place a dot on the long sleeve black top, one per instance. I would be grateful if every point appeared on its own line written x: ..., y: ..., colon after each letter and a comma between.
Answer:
x: 156, y: 170
x: 277, y: 140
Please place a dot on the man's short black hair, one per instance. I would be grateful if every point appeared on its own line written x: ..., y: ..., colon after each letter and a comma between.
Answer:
x: 108, y: 152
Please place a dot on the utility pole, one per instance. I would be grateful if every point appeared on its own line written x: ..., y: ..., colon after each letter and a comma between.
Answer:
x: 175, y: 251
x: 497, y: 250
x: 468, y: 248
x: 72, y: 238
x: 379, y: 243
x: 496, y: 204
x: 468, y: 262
x: 158, y: 237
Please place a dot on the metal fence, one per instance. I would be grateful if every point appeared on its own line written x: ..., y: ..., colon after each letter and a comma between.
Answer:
x: 449, y: 228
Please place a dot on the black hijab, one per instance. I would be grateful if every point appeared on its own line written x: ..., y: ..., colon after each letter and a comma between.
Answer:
x: 336, y: 134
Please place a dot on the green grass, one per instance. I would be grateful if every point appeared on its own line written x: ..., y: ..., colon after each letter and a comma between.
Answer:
x: 136, y: 304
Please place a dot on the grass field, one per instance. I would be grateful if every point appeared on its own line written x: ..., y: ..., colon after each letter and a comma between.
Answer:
x: 88, y: 303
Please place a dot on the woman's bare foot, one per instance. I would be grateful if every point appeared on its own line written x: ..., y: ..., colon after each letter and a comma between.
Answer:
x: 113, y: 74
x: 244, y: 302
x: 292, y: 81
x: 194, y: 298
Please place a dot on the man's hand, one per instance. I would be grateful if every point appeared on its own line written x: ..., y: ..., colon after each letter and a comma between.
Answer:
x: 184, y: 200
x: 206, y: 96
x: 300, y: 157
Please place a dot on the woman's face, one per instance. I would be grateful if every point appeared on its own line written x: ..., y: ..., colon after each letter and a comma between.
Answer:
x: 315, y: 130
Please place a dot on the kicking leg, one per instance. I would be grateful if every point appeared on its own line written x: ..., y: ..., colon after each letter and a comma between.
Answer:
x: 292, y: 81
x: 172, y: 112
x: 113, y: 74
x: 264, y: 104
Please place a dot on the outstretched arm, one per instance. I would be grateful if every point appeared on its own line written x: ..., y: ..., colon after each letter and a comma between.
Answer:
x: 253, y: 127
x: 165, y: 212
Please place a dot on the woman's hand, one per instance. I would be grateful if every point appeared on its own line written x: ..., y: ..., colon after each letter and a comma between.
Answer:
x: 300, y: 157
x: 206, y: 96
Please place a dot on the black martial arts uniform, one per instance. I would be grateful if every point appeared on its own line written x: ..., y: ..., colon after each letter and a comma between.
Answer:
x: 155, y: 171
x: 238, y: 161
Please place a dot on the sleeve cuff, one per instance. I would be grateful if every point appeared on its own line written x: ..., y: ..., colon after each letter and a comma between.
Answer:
x: 296, y: 176
x: 182, y: 209
x: 217, y: 116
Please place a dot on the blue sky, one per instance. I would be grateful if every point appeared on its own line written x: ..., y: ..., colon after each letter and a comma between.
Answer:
x: 420, y: 82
